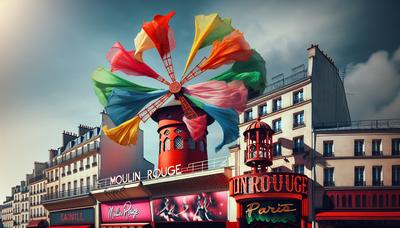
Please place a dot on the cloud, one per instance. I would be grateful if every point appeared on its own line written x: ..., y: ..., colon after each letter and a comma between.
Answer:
x: 282, y: 32
x: 373, y: 87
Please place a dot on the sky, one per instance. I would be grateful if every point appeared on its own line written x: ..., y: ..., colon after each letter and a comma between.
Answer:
x: 48, y: 50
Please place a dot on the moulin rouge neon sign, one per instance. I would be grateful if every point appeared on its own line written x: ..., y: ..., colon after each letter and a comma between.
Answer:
x: 269, y: 182
x: 150, y: 174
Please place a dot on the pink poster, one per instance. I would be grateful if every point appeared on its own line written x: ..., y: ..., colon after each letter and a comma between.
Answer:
x: 126, y: 211
x: 203, y: 206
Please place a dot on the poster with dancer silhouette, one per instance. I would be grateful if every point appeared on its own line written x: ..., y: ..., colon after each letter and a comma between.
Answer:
x: 204, y: 206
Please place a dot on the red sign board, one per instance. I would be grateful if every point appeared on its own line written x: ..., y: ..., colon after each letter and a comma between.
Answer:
x: 126, y: 211
x: 197, y: 207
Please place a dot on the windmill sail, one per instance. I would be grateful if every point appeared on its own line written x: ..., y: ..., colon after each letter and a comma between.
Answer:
x: 221, y: 94
x: 104, y: 82
x: 251, y: 72
x: 208, y: 28
x: 231, y: 49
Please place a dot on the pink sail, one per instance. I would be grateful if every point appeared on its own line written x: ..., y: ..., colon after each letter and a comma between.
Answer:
x: 123, y: 60
x: 221, y: 94
x: 196, y: 126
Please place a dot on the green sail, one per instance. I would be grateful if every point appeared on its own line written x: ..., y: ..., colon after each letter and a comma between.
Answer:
x: 104, y: 82
x: 252, y: 72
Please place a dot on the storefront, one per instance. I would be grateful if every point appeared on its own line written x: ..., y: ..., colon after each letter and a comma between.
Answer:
x: 79, y: 218
x: 203, y: 209
x: 127, y: 214
x: 271, y: 199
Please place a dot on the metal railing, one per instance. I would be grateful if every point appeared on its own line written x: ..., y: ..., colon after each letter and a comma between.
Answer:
x: 195, y: 167
x: 62, y: 195
x: 286, y: 81
x: 359, y: 124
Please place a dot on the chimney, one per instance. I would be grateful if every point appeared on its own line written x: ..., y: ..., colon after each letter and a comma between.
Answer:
x: 52, y: 153
x: 83, y: 129
x: 67, y: 137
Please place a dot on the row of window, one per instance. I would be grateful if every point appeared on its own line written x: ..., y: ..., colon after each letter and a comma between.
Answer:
x: 67, y: 170
x: 359, y: 147
x: 297, y: 146
x: 38, y: 212
x: 298, y: 97
x: 178, y: 144
x: 37, y: 188
x: 359, y: 176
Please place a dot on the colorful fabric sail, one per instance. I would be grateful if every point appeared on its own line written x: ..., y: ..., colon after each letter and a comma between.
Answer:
x: 252, y: 73
x: 124, y: 134
x: 104, y: 82
x: 196, y: 126
x: 123, y: 104
x: 228, y: 119
x: 160, y: 33
x: 208, y: 28
x: 232, y: 48
x: 142, y: 43
x: 221, y: 98
x: 122, y: 60
x: 221, y: 94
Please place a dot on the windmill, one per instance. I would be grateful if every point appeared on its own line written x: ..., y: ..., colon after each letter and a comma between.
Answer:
x: 221, y: 98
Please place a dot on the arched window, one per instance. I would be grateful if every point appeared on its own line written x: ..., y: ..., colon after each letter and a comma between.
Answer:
x: 166, y: 132
x: 178, y: 143
x: 201, y: 146
x: 167, y: 145
x: 192, y: 144
x: 178, y: 130
x: 159, y: 148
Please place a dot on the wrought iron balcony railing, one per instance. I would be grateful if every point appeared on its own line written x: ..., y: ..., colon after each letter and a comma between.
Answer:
x: 63, y: 195
x: 196, y: 167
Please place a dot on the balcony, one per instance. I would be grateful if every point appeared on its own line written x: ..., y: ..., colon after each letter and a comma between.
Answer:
x: 193, y: 168
x: 359, y: 125
x: 77, y: 192
x: 368, y: 198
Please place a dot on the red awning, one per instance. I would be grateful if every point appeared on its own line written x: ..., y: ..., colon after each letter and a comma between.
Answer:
x: 357, y: 215
x: 74, y: 226
x: 34, y: 223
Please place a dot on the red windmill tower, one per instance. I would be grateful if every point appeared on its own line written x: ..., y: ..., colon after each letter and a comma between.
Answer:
x: 176, y: 146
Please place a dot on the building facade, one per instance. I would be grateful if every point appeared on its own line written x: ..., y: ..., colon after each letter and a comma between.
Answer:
x: 37, y: 190
x: 358, y: 174
x: 73, y: 170
x: 7, y: 213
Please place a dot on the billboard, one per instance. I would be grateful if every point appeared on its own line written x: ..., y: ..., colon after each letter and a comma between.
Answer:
x: 211, y: 206
x: 126, y: 211
x: 72, y: 217
x: 117, y: 159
